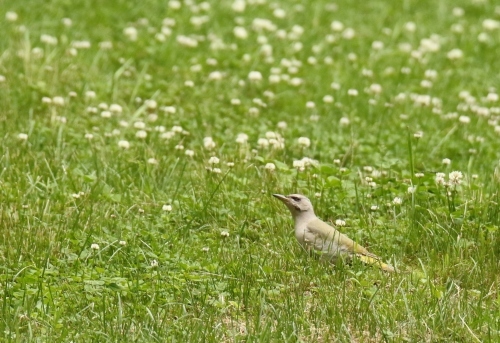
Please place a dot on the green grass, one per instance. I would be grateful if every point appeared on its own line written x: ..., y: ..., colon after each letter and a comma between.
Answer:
x: 176, y: 276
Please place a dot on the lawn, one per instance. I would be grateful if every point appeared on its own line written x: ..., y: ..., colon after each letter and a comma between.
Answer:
x: 141, y: 143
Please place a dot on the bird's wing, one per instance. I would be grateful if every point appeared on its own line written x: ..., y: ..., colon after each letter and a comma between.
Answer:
x: 335, y: 240
x: 323, y: 231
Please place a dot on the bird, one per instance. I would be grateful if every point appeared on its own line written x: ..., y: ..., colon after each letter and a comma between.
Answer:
x: 314, y: 234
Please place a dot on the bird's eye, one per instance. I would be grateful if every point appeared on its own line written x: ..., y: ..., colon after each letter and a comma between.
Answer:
x: 296, y: 199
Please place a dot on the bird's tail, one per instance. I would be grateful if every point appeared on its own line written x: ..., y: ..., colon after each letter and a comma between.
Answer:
x: 376, y: 262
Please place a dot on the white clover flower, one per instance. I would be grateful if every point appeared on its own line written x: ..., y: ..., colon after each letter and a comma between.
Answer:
x: 105, y: 45
x: 491, y: 24
x: 375, y: 88
x: 310, y: 104
x: 151, y: 104
x: 429, y: 45
x: 419, y: 175
x: 140, y: 125
x: 224, y: 233
x: 464, y: 119
x: 81, y: 44
x: 263, y: 142
x: 235, y: 102
x: 167, y: 135
x: 11, y: 16
x: 274, y: 78
x: 205, y: 249
x: 216, y: 170
x: 309, y: 162
x: 492, y: 97
x: 335, y: 85
x: 169, y: 109
x: 179, y: 129
x: 124, y: 144
x: 295, y: 81
x: 304, y: 141
x: 122, y: 243
x: 410, y: 26
x: 312, y: 60
x: 167, y: 208
x: 48, y: 39
x: 337, y: 26
x: 282, y: 125
x: 255, y: 76
x: 270, y: 166
x: 277, y: 143
x: 239, y: 6
x: 213, y: 160
x: 141, y: 134
x: 431, y: 74
x: 446, y: 161
x: 215, y: 75
x: 374, y: 207
x: 2, y: 78
x: 240, y: 32
x: 344, y: 121
x: 348, y: 33
x: 455, y: 177
x: 94, y: 246
x: 328, y: 99
x: 230, y: 164
x: 154, y: 263
x: 131, y: 33
x: 340, y: 222
x: 418, y: 134
x: 352, y: 92
x: 426, y: 84
x: 58, y: 100
x: 152, y: 161
x: 259, y: 102
x: 187, y: 41
x: 89, y: 136
x: 115, y: 108
x: 397, y: 201
x: 208, y: 143
x: 189, y: 153
x: 22, y: 136
x: 439, y: 179
x: 367, y: 72
x: 106, y: 114
x: 455, y: 54
x: 458, y: 11
x: 299, y: 164
x: 377, y: 45
x: 253, y: 111
x: 242, y: 138
x: 412, y: 189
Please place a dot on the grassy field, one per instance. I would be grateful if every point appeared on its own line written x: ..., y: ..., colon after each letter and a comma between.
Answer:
x: 141, y: 143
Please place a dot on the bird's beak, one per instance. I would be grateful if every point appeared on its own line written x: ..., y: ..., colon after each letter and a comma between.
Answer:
x: 281, y: 197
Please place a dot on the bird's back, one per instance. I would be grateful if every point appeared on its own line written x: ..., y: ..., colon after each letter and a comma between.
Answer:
x: 323, y: 237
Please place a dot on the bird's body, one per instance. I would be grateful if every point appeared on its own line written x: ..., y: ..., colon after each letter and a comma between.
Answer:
x: 313, y: 233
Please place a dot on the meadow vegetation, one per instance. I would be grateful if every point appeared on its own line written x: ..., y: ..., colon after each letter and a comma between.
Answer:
x: 141, y: 142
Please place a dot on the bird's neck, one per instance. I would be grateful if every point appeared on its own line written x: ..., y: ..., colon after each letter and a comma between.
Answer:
x: 303, y: 218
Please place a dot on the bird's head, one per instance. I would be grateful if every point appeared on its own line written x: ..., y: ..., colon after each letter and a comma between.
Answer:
x: 297, y: 203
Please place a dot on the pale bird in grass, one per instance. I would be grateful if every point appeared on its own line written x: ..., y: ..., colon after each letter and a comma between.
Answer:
x: 313, y: 233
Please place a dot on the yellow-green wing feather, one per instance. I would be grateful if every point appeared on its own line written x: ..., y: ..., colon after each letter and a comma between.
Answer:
x: 329, y: 233
x: 340, y: 242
